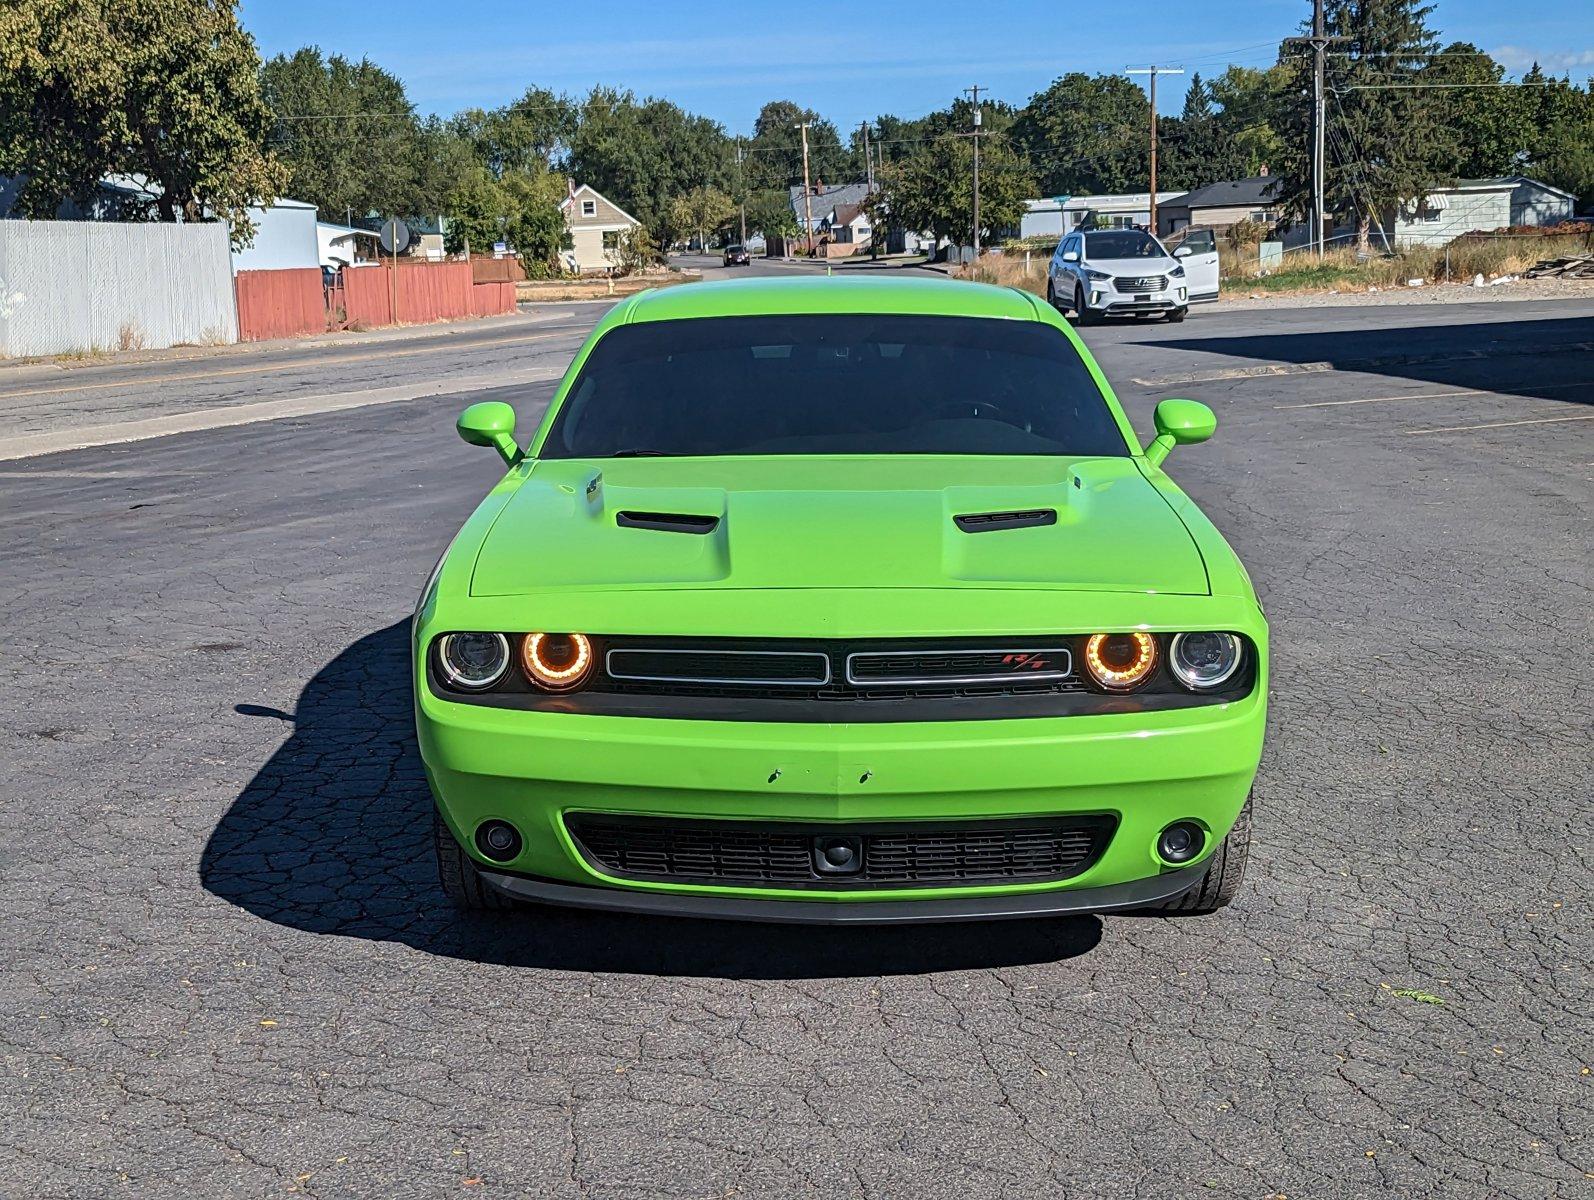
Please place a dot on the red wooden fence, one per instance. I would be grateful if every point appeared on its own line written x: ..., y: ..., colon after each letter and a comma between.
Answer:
x: 280, y: 304
x: 276, y: 304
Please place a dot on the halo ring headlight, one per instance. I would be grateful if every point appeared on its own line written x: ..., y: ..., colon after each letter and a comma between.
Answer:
x: 556, y: 662
x: 1120, y: 662
x: 473, y: 662
x: 1203, y: 661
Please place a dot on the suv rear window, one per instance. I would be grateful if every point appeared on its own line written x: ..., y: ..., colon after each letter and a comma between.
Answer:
x: 833, y: 384
x: 1121, y: 243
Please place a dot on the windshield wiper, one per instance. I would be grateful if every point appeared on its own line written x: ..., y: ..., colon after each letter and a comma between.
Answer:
x: 640, y: 452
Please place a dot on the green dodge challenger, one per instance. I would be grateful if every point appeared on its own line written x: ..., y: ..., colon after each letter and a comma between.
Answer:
x: 839, y: 601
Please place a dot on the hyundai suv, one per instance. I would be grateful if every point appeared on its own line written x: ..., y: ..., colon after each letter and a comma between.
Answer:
x: 1116, y: 272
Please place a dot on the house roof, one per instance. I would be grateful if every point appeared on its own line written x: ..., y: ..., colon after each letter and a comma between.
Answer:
x: 592, y: 191
x: 1258, y: 189
x: 1497, y: 183
x: 846, y: 212
x: 825, y: 198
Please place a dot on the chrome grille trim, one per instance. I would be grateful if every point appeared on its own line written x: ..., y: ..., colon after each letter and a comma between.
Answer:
x: 1062, y: 652
x: 1140, y: 283
x: 821, y: 679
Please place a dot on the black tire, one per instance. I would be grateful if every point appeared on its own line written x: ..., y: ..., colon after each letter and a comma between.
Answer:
x: 1051, y: 295
x: 1177, y: 315
x: 462, y: 882
x: 1225, y: 873
x: 1082, y: 312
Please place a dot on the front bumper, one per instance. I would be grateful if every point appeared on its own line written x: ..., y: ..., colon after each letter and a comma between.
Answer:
x: 1146, y: 770
x: 1110, y: 302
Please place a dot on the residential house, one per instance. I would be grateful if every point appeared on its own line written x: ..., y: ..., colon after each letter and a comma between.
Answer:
x: 345, y: 245
x: 596, y: 224
x: 822, y: 201
x: 1220, y: 205
x: 1058, y: 215
x: 1472, y: 204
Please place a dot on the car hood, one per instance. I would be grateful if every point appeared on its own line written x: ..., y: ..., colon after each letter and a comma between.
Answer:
x: 837, y: 522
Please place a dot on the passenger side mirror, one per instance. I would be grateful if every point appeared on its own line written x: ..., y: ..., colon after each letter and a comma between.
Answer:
x: 491, y: 423
x: 1183, y: 252
x: 1070, y: 256
x: 1180, y: 423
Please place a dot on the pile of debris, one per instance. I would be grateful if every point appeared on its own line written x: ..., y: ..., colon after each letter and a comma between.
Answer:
x: 1578, y: 266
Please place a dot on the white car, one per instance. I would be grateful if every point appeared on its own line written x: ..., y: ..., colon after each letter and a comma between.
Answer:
x: 1124, y: 272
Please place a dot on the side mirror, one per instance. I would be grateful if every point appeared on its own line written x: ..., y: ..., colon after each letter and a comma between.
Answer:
x: 1180, y: 423
x: 1183, y: 252
x: 1070, y: 256
x: 490, y: 423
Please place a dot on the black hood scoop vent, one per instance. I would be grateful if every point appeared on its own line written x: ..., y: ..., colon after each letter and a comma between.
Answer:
x: 667, y: 522
x: 989, y: 522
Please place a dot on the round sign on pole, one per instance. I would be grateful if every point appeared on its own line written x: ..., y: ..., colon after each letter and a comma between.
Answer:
x: 395, y: 236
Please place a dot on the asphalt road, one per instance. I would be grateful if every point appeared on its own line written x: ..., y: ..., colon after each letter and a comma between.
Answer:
x: 225, y: 969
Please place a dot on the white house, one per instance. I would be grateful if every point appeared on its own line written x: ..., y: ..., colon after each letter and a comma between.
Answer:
x: 596, y: 225
x: 1057, y: 215
x: 344, y: 245
x: 1477, y: 204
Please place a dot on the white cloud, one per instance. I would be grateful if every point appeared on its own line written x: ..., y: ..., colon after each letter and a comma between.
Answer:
x: 1517, y: 58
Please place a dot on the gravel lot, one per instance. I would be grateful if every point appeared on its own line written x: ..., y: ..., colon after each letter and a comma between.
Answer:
x: 227, y: 970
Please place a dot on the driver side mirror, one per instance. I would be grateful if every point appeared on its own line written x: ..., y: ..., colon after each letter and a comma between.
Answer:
x: 1070, y: 256
x: 1183, y: 252
x: 1180, y: 423
x: 491, y: 423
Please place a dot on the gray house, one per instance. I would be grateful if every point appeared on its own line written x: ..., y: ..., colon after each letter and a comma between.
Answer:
x: 1477, y: 204
x: 1220, y: 205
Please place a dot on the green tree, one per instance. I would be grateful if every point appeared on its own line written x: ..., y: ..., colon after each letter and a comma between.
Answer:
x: 933, y: 188
x: 1387, y: 145
x: 1086, y: 133
x: 1249, y: 100
x: 348, y: 135
x: 643, y: 154
x: 1493, y: 126
x: 636, y: 251
x: 1559, y: 148
x: 520, y: 208
x: 529, y: 134
x: 174, y: 98
x: 775, y: 152
x: 769, y: 212
x: 1197, y: 147
x: 703, y: 210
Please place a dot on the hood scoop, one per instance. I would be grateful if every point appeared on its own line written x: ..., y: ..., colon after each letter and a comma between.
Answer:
x: 666, y: 522
x: 991, y: 521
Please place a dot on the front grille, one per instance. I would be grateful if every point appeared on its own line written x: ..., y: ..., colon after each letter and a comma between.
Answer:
x: 836, y: 671
x: 1143, y: 283
x: 783, y: 856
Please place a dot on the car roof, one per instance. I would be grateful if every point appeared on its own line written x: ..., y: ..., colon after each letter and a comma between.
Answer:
x: 828, y: 294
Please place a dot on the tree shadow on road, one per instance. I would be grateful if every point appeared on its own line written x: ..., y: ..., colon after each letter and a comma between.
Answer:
x: 333, y: 835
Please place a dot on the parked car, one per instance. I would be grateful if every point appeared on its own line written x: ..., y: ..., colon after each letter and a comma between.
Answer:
x: 1118, y: 272
x: 736, y: 256
x: 839, y: 600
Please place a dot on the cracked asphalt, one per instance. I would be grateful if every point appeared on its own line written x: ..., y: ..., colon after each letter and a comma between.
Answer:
x: 226, y: 970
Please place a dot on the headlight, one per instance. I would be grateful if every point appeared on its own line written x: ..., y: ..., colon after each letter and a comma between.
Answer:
x: 556, y: 662
x: 1203, y: 661
x: 473, y: 661
x: 1092, y: 273
x: 1120, y: 662
x: 1177, y: 272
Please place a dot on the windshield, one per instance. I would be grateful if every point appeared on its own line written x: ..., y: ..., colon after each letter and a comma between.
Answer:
x: 833, y: 384
x: 1121, y: 243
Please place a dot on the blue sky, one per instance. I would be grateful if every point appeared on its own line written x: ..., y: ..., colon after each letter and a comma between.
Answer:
x: 724, y: 59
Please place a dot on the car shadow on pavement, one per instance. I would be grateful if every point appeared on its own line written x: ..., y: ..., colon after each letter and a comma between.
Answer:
x: 333, y: 835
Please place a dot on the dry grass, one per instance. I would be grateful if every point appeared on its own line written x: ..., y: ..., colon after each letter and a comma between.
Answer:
x: 1007, y: 270
x: 1489, y: 255
x: 129, y: 336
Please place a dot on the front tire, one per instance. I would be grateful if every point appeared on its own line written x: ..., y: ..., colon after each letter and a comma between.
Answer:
x: 1225, y: 873
x: 461, y: 879
x: 1177, y: 315
x: 1082, y: 312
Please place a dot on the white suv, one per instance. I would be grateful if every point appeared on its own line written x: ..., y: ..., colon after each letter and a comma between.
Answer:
x: 1117, y: 272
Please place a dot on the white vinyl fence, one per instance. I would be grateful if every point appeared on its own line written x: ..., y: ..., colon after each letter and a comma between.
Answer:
x: 69, y: 287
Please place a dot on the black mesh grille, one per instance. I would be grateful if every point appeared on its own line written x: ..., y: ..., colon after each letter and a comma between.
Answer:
x: 779, y: 855
x: 718, y: 666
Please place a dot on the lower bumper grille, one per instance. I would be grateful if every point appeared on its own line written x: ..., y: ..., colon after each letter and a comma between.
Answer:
x: 780, y: 855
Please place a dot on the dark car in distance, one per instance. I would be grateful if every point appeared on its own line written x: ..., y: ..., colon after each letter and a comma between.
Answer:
x: 735, y: 256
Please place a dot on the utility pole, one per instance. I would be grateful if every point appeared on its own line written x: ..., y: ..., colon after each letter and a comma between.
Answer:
x: 974, y: 136
x: 1154, y: 71
x: 1319, y: 120
x: 868, y: 159
x: 741, y: 183
x: 808, y: 193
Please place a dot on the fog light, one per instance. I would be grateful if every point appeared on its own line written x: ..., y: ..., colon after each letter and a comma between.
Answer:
x: 1181, y: 842
x: 498, y: 840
